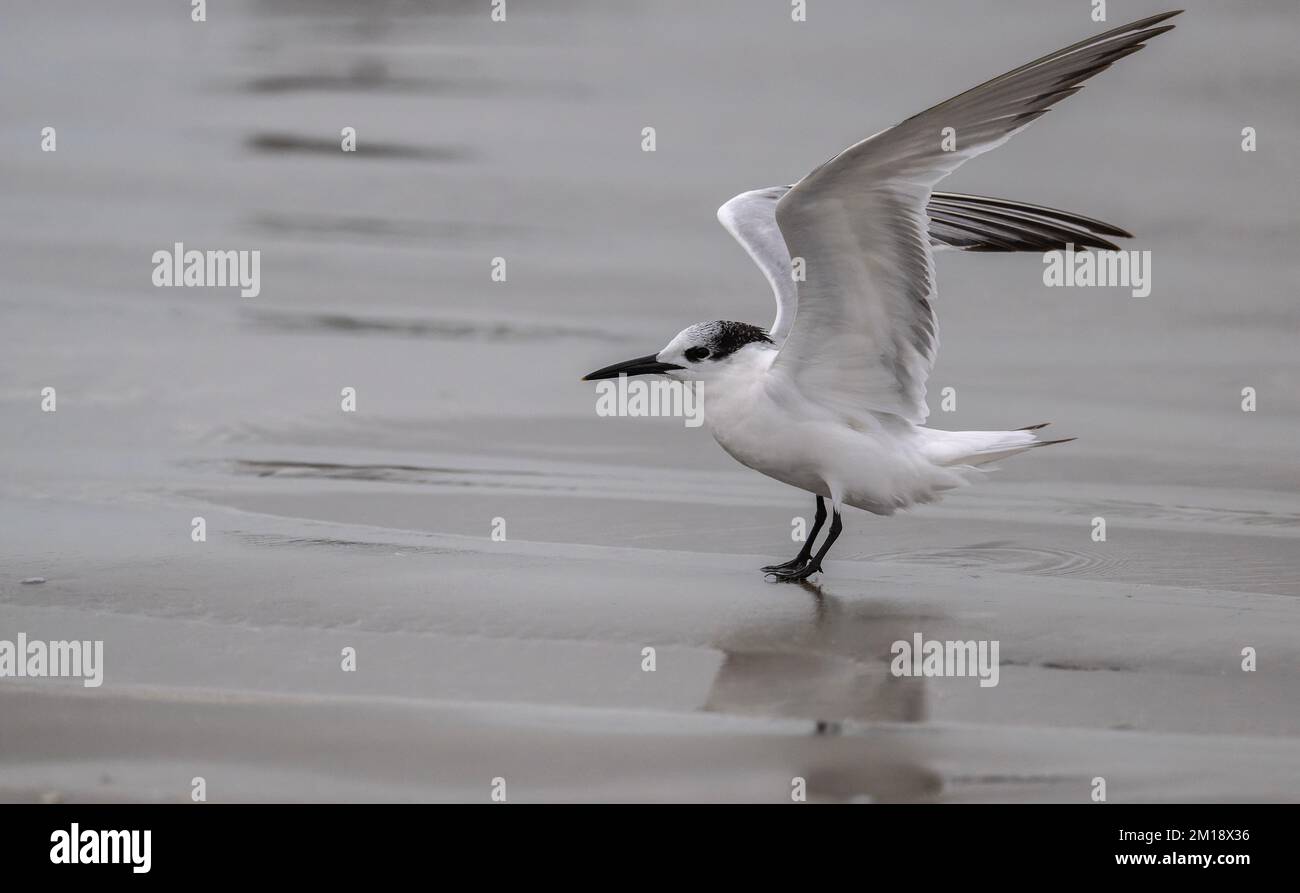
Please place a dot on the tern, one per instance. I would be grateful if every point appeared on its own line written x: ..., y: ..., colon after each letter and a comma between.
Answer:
x: 831, y: 397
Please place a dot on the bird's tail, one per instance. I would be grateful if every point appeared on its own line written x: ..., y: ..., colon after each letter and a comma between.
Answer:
x: 982, y: 447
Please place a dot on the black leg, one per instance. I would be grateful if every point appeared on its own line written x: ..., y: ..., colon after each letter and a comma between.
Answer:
x: 812, y: 567
x: 806, y: 552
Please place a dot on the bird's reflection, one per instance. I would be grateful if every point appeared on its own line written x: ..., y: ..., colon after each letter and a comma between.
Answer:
x: 827, y: 663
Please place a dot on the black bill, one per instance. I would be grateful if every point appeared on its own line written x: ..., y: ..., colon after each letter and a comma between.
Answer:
x: 647, y: 365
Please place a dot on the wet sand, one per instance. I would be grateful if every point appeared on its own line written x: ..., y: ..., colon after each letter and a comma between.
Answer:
x: 522, y: 659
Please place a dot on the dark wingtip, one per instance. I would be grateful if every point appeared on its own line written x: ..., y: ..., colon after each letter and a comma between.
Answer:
x: 1091, y: 241
x: 1035, y: 427
x: 1155, y: 20
x: 1156, y: 32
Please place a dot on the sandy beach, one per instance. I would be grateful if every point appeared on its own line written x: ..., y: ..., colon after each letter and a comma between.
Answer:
x: 522, y: 658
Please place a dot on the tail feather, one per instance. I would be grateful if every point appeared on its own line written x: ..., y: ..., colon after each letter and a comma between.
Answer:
x: 983, y: 447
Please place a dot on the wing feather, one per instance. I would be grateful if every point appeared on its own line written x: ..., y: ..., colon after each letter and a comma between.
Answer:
x: 751, y: 219
x: 864, y: 336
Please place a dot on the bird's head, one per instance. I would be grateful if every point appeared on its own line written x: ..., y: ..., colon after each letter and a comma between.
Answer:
x: 697, y: 353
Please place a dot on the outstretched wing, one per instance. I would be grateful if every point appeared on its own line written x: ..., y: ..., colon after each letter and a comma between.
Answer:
x: 864, y: 337
x: 979, y: 223
x: 751, y: 219
x: 964, y: 222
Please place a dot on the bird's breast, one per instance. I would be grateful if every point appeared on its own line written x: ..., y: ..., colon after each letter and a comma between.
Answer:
x: 758, y: 431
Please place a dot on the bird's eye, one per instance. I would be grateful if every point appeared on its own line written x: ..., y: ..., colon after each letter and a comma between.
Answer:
x: 695, y: 354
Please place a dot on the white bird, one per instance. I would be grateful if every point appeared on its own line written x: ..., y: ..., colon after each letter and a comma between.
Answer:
x: 831, y: 398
